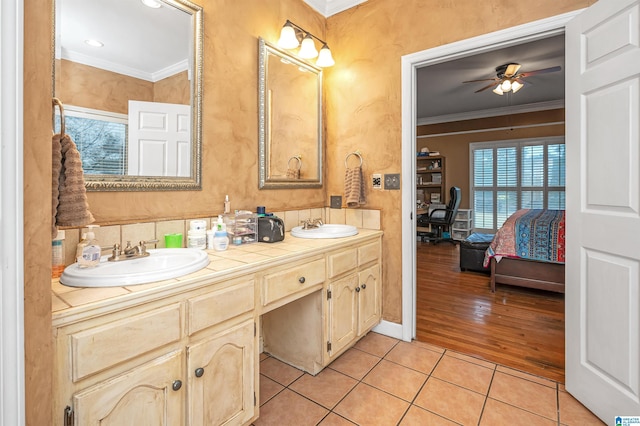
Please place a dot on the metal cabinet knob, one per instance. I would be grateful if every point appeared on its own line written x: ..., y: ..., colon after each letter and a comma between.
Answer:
x: 199, y: 372
x: 358, y: 289
x: 302, y: 280
x: 176, y: 385
x: 363, y: 286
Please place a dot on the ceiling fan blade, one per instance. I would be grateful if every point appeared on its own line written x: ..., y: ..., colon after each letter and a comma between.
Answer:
x: 485, y: 87
x: 484, y: 79
x: 511, y: 70
x: 542, y: 71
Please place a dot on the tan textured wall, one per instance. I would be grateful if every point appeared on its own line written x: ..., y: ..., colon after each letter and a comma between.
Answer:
x: 37, y: 211
x: 364, y: 90
x: 173, y: 90
x: 89, y: 87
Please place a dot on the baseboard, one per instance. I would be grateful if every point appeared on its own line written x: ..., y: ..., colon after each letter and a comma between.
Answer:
x: 391, y: 329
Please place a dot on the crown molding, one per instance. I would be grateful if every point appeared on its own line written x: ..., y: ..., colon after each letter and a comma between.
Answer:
x: 332, y: 7
x: 495, y: 112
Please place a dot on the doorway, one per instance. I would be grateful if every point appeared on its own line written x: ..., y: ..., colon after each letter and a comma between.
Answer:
x: 410, y: 64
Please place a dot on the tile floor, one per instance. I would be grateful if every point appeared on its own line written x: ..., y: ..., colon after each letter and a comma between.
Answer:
x: 384, y: 381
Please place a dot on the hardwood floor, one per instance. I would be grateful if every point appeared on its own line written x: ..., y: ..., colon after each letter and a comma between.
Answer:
x: 517, y: 327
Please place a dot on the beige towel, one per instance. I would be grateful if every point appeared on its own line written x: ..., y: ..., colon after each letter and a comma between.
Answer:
x: 354, y: 187
x: 69, y: 198
x: 293, y: 174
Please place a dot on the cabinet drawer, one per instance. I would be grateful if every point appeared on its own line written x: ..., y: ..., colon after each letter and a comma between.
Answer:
x: 342, y: 262
x: 220, y: 305
x: 98, y: 348
x: 368, y: 253
x: 291, y: 280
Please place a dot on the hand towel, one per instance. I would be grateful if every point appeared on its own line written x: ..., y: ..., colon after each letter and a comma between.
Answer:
x: 70, y: 207
x: 354, y: 187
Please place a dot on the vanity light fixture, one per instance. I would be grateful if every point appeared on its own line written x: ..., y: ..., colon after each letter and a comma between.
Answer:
x: 292, y: 36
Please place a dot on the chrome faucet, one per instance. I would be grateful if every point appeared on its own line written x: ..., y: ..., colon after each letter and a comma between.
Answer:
x: 130, y: 252
x: 312, y: 223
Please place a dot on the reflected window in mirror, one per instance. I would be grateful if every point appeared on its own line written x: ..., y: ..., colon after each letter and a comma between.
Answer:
x: 290, y: 120
x: 148, y: 73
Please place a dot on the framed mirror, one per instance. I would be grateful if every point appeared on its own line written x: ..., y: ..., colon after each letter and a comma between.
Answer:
x: 290, y: 120
x: 129, y: 74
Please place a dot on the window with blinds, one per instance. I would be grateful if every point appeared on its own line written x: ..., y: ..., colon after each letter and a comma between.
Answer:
x: 101, y: 139
x: 511, y: 175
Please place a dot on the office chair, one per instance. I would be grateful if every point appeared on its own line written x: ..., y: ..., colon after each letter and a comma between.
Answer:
x: 442, y: 219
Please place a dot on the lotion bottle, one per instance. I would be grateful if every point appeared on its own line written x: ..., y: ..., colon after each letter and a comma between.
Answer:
x: 57, y: 255
x: 227, y: 205
x: 220, y: 238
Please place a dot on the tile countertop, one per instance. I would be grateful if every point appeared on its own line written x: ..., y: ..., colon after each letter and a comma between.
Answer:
x: 74, y: 303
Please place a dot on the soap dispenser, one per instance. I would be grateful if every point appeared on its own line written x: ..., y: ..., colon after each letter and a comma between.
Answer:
x: 220, y: 238
x: 88, y: 251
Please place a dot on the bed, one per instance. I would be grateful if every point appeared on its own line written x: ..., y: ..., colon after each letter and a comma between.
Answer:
x: 528, y: 251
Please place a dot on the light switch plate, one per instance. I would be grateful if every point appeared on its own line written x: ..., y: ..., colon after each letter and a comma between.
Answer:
x: 392, y: 181
x: 376, y: 181
x: 336, y: 202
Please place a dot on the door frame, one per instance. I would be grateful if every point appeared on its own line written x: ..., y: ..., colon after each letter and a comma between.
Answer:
x: 12, y: 365
x: 410, y: 63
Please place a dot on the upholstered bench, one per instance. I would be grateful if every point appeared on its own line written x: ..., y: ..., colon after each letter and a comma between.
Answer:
x: 472, y: 252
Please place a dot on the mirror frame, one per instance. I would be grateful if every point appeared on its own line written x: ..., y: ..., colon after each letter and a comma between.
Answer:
x: 264, y: 50
x: 104, y: 183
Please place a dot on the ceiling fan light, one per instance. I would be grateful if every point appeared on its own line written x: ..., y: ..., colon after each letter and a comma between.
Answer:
x: 506, y: 85
x: 516, y: 85
x: 288, y: 39
x: 498, y: 90
x: 308, y: 48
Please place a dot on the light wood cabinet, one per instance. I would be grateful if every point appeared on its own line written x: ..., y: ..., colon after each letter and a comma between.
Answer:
x: 221, y: 378
x: 152, y: 394
x: 189, y: 355
x: 190, y: 359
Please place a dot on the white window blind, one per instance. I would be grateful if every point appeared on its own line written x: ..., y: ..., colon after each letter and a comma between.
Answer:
x: 511, y: 175
x: 101, y: 139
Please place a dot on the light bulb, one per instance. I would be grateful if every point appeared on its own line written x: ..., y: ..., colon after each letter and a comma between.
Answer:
x: 324, y: 58
x: 308, y: 48
x: 506, y: 85
x: 498, y: 90
x: 516, y: 85
x: 288, y: 39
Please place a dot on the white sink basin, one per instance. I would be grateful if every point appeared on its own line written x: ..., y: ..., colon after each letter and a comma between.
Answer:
x: 325, y: 231
x: 161, y: 264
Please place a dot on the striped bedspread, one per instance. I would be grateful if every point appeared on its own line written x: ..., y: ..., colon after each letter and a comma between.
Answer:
x: 530, y: 234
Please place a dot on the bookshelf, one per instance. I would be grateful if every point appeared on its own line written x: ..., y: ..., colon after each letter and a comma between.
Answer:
x: 430, y: 179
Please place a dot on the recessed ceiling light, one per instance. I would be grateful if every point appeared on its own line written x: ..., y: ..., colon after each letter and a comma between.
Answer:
x: 151, y: 3
x: 94, y: 43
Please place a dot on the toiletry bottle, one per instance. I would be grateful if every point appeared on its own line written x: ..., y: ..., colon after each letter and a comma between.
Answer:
x: 197, y: 238
x: 210, y: 235
x: 220, y: 238
x: 227, y: 205
x: 57, y: 255
x: 88, y: 252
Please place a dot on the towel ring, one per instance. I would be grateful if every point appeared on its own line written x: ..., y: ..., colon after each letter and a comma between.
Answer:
x: 357, y: 154
x: 56, y: 102
x: 296, y: 158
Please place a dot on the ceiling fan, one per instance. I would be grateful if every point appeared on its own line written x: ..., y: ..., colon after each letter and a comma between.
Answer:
x: 509, y: 80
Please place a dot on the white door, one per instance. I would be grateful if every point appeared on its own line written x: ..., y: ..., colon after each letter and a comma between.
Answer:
x: 159, y: 139
x: 603, y: 208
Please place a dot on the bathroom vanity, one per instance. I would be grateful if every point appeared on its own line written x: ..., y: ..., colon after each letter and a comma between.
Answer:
x: 186, y: 351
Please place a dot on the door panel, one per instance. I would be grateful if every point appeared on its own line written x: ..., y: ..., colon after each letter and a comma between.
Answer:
x: 603, y: 208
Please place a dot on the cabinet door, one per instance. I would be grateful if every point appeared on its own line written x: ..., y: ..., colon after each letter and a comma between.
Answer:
x: 369, y: 305
x: 221, y: 377
x: 343, y: 314
x: 142, y: 396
